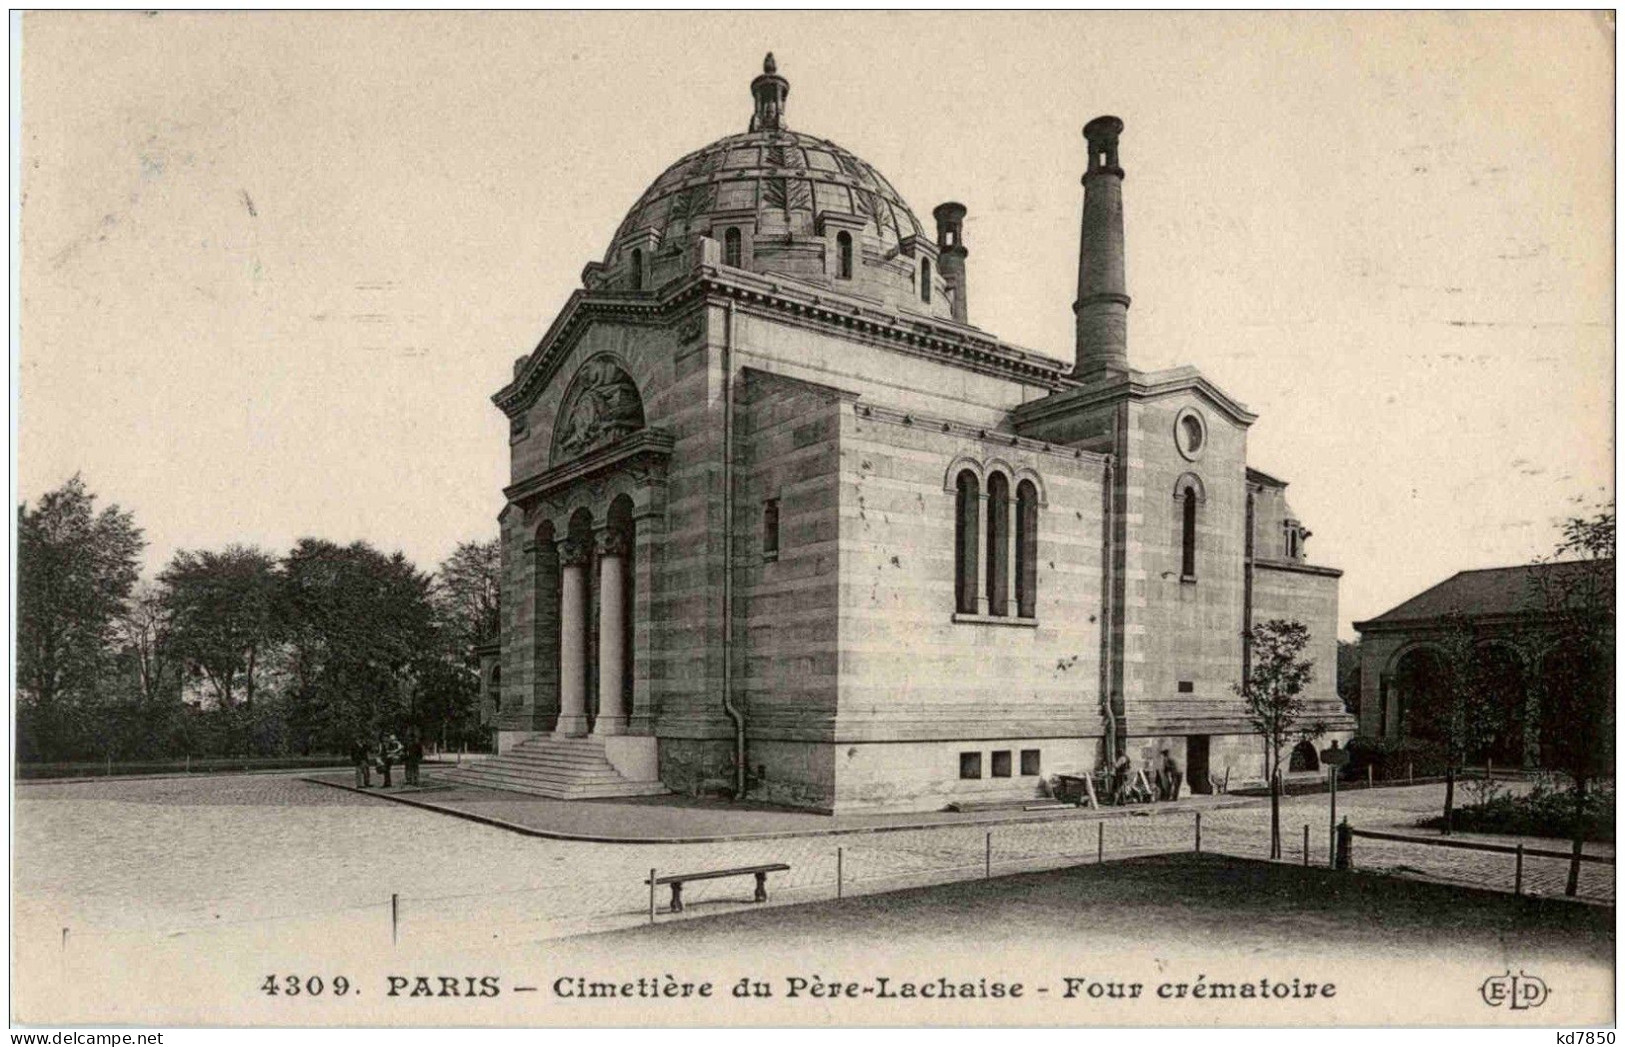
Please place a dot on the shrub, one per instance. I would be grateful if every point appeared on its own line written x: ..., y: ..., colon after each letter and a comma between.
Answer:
x: 1544, y: 811
x: 1393, y: 758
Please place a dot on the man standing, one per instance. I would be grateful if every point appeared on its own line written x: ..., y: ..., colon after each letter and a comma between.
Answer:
x: 1171, y: 775
x: 414, y: 756
x: 363, y: 763
x: 389, y: 754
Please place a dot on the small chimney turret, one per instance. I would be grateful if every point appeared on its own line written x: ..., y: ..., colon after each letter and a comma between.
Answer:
x: 951, y: 253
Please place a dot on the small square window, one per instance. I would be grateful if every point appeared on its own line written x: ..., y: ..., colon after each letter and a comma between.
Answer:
x: 1001, y: 764
x: 970, y: 765
x: 1029, y: 762
x: 1187, y: 687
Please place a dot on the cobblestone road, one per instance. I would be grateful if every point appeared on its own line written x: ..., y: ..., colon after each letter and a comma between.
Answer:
x: 221, y: 855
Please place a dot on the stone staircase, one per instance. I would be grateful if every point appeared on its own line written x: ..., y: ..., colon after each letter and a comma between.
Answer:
x: 558, y: 768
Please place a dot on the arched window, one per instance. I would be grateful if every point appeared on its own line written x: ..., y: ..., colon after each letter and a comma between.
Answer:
x: 998, y: 544
x: 1026, y: 549
x: 966, y: 505
x: 733, y: 251
x: 843, y: 249
x: 637, y: 270
x: 1187, y: 533
x: 925, y: 280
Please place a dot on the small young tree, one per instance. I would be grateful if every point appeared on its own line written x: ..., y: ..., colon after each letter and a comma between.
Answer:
x: 1576, y: 592
x: 1467, y: 719
x: 1273, y: 691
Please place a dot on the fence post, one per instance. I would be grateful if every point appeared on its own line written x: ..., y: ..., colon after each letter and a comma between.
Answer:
x: 840, y: 855
x: 1345, y: 845
x: 394, y: 919
x: 1410, y: 769
x: 1306, y: 846
x: 1517, y: 875
x: 1198, y: 832
x: 989, y: 856
x: 1368, y: 776
x: 188, y: 763
x: 651, y: 896
x: 1100, y: 842
x: 1573, y: 885
x: 64, y: 961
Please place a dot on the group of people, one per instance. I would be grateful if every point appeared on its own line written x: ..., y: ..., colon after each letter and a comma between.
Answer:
x: 1165, y: 782
x: 383, y: 754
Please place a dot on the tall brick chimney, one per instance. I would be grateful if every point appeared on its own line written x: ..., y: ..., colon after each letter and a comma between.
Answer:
x: 951, y: 253
x: 1102, y: 305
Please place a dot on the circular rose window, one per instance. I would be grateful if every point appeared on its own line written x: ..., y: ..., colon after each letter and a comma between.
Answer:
x: 1190, y: 433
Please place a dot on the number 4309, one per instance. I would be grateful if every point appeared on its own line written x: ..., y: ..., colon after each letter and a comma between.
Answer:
x: 294, y: 985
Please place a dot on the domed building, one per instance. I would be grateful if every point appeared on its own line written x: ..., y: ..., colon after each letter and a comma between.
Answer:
x: 784, y: 524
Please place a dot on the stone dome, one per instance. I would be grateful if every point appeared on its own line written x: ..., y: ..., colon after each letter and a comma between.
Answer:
x: 780, y: 202
x: 786, y: 180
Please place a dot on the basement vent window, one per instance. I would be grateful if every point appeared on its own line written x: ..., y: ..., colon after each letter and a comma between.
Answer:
x: 1001, y: 764
x: 970, y: 765
x: 1029, y: 763
x: 1187, y: 687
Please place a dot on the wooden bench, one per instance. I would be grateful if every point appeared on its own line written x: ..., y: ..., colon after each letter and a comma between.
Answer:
x: 759, y: 871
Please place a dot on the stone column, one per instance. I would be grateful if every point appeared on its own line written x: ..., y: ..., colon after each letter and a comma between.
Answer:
x: 612, y: 548
x: 984, y: 561
x: 573, y: 556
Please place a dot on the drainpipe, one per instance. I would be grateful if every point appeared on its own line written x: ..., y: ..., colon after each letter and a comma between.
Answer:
x: 728, y: 555
x: 1108, y: 557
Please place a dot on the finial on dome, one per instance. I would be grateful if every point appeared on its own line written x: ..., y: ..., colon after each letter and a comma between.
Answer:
x: 770, y: 90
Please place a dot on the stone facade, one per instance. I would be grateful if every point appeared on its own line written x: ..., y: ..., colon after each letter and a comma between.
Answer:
x: 784, y: 522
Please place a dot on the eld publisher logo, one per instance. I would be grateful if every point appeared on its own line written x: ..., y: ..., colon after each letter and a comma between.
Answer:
x: 1519, y: 991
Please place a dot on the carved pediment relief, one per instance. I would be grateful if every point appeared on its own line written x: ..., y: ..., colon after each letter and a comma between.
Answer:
x: 601, y: 405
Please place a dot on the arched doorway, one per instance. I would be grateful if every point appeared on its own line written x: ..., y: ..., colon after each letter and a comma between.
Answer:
x: 1422, y: 693
x: 1304, y: 757
x: 1503, y: 698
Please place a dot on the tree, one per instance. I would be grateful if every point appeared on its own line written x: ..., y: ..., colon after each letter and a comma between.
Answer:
x: 220, y: 605
x: 1348, y: 675
x: 1466, y: 720
x: 468, y: 593
x: 467, y: 601
x: 360, y: 628
x: 75, y: 569
x: 1576, y: 593
x: 1273, y: 693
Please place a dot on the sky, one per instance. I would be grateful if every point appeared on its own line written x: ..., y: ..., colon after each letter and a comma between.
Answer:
x: 274, y: 265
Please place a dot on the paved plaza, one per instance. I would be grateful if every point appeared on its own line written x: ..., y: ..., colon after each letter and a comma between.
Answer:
x: 239, y: 866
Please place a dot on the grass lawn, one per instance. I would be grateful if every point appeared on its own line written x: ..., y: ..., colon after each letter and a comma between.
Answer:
x: 1185, y: 897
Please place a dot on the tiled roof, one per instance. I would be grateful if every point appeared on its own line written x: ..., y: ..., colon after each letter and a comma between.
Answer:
x: 1483, y: 593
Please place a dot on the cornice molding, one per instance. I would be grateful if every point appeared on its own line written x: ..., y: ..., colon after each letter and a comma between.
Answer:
x: 1298, y: 568
x: 646, y: 445
x: 1135, y: 385
x: 784, y: 300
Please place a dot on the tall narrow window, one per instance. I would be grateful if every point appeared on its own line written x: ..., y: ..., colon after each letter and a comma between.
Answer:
x: 770, y: 529
x: 1187, y: 562
x: 733, y: 248
x: 967, y: 498
x: 843, y: 250
x: 1026, y: 549
x: 925, y: 280
x: 637, y: 270
x: 998, y: 544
